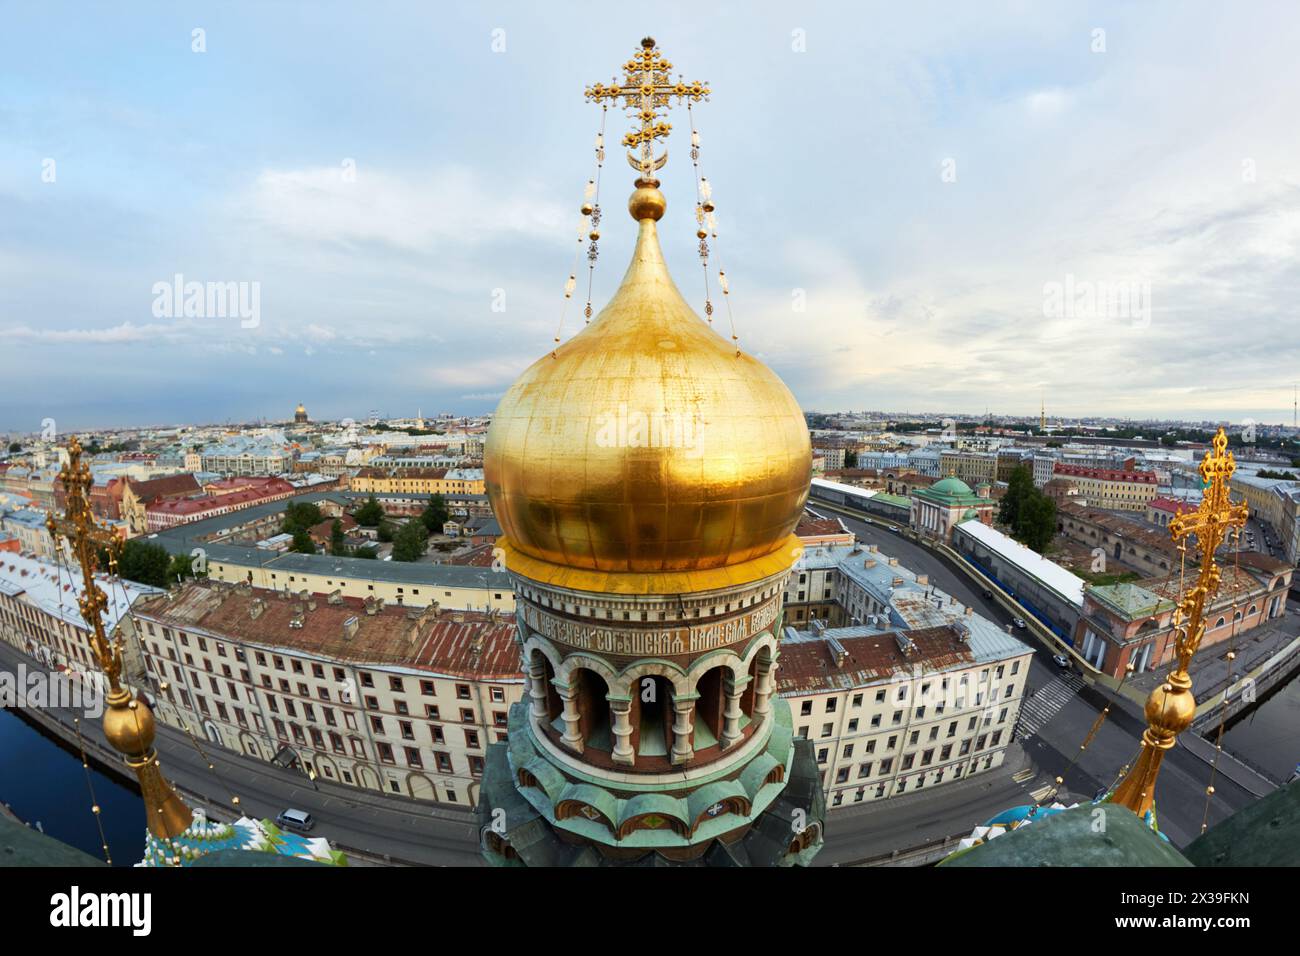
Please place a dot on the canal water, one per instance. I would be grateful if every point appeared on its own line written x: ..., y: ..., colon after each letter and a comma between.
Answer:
x: 44, y: 783
x: 1269, y: 736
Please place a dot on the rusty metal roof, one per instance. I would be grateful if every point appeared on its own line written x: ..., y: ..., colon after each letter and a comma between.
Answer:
x: 455, y: 643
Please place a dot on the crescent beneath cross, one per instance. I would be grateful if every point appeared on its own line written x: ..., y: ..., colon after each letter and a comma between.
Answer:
x: 636, y: 163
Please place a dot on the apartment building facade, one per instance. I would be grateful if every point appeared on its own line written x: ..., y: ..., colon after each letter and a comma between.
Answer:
x: 1112, y: 489
x: 891, y: 712
x: 391, y: 699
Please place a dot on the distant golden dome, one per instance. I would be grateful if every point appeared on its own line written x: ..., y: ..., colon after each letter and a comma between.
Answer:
x: 645, y: 443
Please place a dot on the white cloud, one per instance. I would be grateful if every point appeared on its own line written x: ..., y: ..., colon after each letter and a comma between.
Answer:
x: 420, y: 211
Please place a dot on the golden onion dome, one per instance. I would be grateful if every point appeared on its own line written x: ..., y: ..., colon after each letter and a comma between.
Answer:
x: 647, y: 443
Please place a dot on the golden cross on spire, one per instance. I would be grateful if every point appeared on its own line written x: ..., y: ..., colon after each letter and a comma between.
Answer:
x: 647, y: 92
x: 1171, y: 708
x: 128, y: 721
x: 85, y: 537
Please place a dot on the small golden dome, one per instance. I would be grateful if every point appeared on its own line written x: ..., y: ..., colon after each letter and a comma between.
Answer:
x: 128, y: 725
x: 647, y: 203
x: 1170, y: 711
x: 646, y: 443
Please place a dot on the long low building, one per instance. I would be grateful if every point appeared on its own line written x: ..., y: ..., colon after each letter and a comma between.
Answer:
x: 1051, y: 593
x: 867, y: 501
x: 1132, y: 623
x: 394, y: 582
x: 401, y: 700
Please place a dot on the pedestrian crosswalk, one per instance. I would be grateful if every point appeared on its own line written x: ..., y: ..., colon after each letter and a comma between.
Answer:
x: 1038, y: 709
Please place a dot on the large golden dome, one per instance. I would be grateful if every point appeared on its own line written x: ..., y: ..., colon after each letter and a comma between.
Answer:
x: 646, y: 443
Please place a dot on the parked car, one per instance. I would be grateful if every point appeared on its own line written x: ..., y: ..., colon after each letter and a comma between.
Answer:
x: 299, y: 820
x: 1061, y: 661
x: 1019, y: 623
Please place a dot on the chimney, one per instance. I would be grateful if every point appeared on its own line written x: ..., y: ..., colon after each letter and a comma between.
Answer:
x: 311, y: 604
x: 299, y: 615
x: 350, y: 627
x: 923, y: 579
x: 372, y: 606
x: 335, y: 596
x: 838, y: 653
x: 303, y: 595
x: 256, y: 608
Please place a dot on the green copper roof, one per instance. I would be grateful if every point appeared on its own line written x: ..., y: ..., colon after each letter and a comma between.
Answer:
x: 952, y: 485
x: 950, y: 492
x: 1130, y: 600
x: 1266, y: 833
x: 1086, y: 835
x: 23, y: 846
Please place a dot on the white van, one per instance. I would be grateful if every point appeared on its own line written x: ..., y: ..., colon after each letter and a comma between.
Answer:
x: 299, y: 820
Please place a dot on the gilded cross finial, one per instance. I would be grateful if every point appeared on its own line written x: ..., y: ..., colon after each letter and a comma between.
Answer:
x: 1171, y: 706
x: 128, y: 721
x: 647, y: 91
x: 84, y: 538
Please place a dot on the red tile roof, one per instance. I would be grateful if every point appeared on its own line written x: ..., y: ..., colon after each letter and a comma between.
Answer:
x: 1107, y: 474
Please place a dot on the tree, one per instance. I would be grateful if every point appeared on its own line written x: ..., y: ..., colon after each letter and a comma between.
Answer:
x: 1030, y: 514
x: 301, y: 516
x: 409, y: 543
x: 370, y: 514
x: 337, y: 545
x: 1037, y: 521
x: 435, y: 515
x: 302, y: 542
x: 1020, y: 486
x: 142, y: 562
x: 181, y: 567
x: 385, y: 532
x: 850, y: 459
x: 15, y: 446
x: 365, y: 551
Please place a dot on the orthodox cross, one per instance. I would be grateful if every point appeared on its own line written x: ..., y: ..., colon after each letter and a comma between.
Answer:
x: 647, y: 92
x: 1171, y: 707
x: 84, y: 538
x: 128, y: 722
x: 1209, y: 523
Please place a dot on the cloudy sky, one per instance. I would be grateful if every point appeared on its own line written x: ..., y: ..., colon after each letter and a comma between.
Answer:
x: 944, y: 207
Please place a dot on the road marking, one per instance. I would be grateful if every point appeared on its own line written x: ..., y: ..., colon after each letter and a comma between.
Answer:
x: 1040, y: 793
x: 1021, y: 776
x: 1037, y: 710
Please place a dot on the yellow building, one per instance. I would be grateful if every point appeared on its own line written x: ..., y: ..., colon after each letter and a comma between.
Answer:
x: 419, y: 481
x: 1113, y: 489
